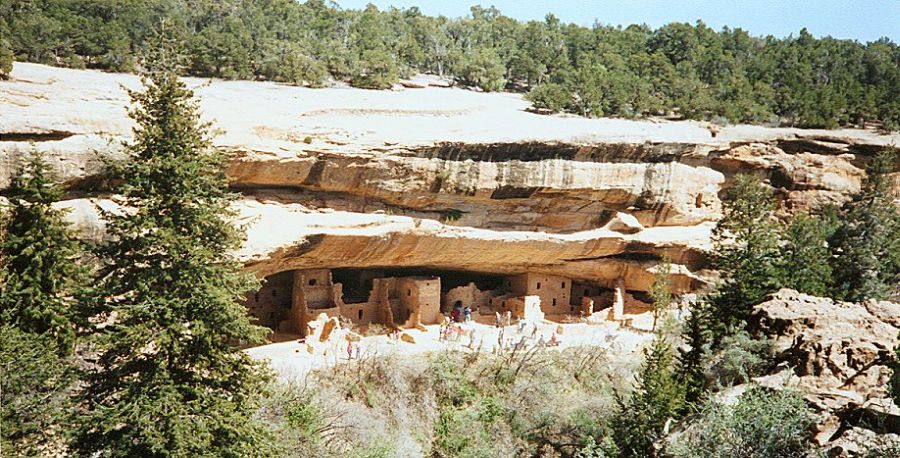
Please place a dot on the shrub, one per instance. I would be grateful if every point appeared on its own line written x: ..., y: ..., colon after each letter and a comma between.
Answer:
x: 763, y: 424
x: 6, y: 59
x: 740, y: 357
x: 377, y: 70
x: 550, y: 96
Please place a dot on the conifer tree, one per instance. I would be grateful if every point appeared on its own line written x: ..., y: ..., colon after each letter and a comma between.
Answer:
x: 867, y: 244
x: 697, y: 339
x: 805, y: 257
x: 39, y: 258
x: 745, y: 253
x: 40, y: 281
x: 657, y: 397
x: 169, y: 379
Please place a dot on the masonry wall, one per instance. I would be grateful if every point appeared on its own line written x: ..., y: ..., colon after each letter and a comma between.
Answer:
x: 554, y: 291
x: 272, y: 303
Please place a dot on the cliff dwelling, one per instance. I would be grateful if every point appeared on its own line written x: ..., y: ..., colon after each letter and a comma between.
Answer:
x: 411, y: 297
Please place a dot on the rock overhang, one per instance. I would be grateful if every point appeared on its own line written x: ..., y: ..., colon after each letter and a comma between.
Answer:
x: 434, y: 173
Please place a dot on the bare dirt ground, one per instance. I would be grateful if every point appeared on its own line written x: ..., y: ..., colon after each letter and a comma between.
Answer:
x: 291, y: 359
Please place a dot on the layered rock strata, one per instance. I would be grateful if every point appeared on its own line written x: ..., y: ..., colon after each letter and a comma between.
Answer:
x: 442, y: 178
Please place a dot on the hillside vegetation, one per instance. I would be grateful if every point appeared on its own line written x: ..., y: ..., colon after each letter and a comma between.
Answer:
x: 680, y: 70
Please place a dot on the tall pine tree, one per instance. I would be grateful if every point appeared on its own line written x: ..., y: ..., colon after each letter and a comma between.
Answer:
x: 39, y: 258
x: 867, y: 244
x: 745, y: 253
x: 170, y: 380
x: 40, y: 282
x: 697, y: 339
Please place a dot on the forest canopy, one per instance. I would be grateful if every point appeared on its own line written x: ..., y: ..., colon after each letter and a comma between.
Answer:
x: 679, y: 70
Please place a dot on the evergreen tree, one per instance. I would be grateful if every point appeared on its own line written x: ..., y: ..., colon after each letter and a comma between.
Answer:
x: 867, y: 245
x: 657, y: 397
x: 805, y: 256
x: 169, y: 378
x: 745, y: 253
x: 33, y: 397
x: 697, y: 339
x: 39, y: 259
x: 661, y: 289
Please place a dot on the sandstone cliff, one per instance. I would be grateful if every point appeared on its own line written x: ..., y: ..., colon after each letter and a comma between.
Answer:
x: 443, y: 178
x: 836, y: 353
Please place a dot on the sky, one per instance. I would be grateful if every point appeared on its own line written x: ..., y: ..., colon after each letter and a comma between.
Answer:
x: 863, y: 20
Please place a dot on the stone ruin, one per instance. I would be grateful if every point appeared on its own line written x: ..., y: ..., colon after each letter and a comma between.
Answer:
x: 290, y: 302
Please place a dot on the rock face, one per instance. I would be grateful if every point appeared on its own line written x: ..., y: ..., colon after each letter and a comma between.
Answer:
x: 838, y: 354
x: 442, y: 178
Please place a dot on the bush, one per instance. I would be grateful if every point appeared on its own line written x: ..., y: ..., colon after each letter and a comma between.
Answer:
x: 376, y: 70
x: 482, y: 69
x: 301, y: 69
x: 739, y: 358
x: 550, y: 96
x: 6, y: 59
x: 763, y: 424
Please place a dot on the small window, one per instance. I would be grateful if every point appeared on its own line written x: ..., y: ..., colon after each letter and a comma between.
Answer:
x: 554, y: 302
x: 563, y: 284
x: 274, y: 293
x: 538, y: 285
x: 312, y: 282
x: 409, y: 292
x: 359, y: 314
x: 272, y: 315
x: 587, y: 293
x: 256, y: 297
x: 503, y: 304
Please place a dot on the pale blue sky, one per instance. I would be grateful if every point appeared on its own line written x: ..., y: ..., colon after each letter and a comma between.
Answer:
x: 864, y: 20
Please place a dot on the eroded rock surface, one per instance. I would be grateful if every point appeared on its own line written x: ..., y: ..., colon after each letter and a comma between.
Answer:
x: 442, y: 177
x: 836, y: 353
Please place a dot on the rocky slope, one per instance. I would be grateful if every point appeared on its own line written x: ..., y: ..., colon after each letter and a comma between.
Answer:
x: 836, y: 353
x: 443, y: 178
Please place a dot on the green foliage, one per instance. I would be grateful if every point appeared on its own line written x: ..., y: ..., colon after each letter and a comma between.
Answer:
x: 33, y: 400
x: 482, y: 68
x: 657, y: 397
x: 866, y: 244
x: 745, y: 253
x: 661, y: 289
x: 763, y: 424
x: 465, y: 432
x: 377, y: 70
x: 740, y: 357
x: 805, y: 255
x: 169, y: 379
x: 680, y: 69
x: 39, y: 258
x: 6, y: 59
x: 550, y: 96
x: 697, y: 337
x: 304, y: 418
